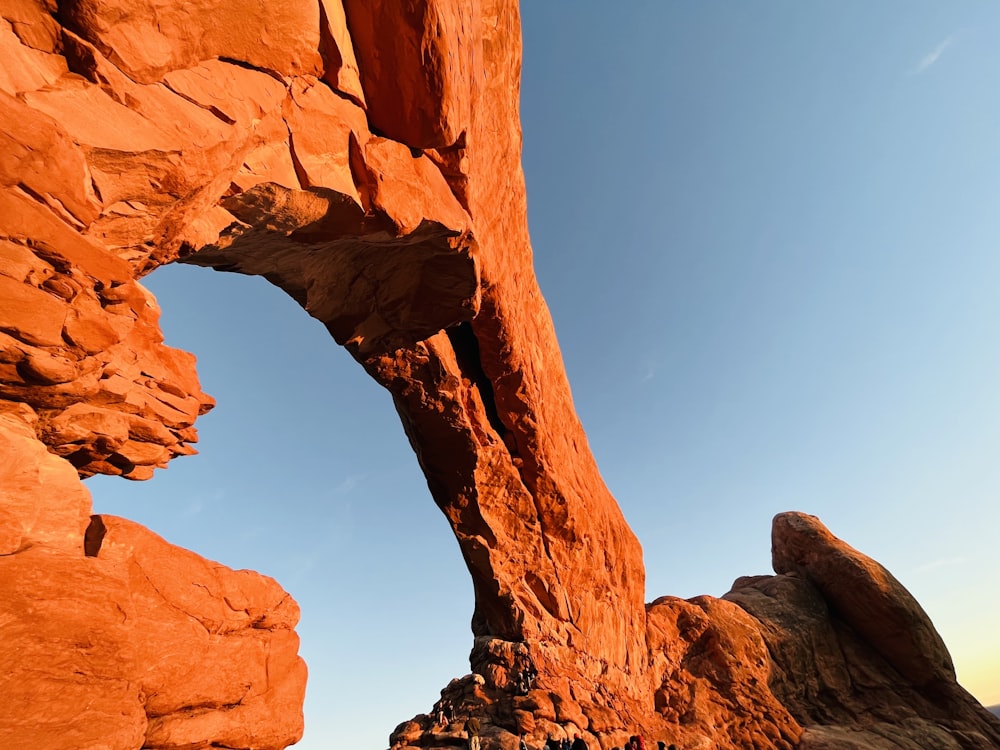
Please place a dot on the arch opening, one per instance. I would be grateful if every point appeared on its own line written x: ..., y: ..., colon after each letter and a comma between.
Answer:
x: 304, y: 474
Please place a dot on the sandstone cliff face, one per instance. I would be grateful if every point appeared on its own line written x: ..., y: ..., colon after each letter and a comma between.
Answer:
x: 364, y: 157
x: 114, y: 638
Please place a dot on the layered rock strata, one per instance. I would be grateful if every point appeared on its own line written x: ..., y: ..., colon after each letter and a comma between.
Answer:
x: 364, y: 157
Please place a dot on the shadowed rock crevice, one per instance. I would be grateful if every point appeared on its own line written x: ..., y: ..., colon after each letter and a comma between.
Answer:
x: 93, y: 538
x: 466, y: 346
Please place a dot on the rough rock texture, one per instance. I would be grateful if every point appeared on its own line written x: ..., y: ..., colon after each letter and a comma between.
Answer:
x: 855, y: 659
x: 364, y: 157
x: 113, y: 638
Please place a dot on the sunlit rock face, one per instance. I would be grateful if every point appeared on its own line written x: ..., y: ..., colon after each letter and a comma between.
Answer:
x: 114, y: 638
x: 364, y: 157
x: 854, y: 658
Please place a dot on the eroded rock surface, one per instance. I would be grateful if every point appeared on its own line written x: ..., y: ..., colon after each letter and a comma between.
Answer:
x: 114, y: 638
x: 364, y: 157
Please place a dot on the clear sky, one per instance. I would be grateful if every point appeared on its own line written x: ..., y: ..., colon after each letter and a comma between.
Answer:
x: 768, y: 236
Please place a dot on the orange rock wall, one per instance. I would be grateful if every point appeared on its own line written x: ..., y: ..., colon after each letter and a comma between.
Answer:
x: 364, y: 157
x: 113, y: 638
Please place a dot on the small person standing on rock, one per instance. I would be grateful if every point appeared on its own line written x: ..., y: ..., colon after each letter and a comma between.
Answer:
x: 446, y: 713
x: 578, y: 743
x: 472, y: 729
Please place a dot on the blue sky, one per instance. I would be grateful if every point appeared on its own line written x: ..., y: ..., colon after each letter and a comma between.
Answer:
x: 768, y: 235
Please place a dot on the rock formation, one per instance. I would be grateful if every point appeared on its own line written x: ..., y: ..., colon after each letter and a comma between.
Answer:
x: 364, y: 157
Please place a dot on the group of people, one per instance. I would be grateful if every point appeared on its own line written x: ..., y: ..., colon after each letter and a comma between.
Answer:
x: 472, y: 729
x: 552, y: 743
x: 638, y: 742
x: 635, y: 742
x: 524, y: 678
x: 444, y: 712
x: 524, y: 674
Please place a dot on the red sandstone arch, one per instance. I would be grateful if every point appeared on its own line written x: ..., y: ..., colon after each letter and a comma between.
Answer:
x: 366, y: 161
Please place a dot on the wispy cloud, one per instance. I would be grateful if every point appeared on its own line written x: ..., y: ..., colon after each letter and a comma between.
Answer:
x: 934, y: 56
